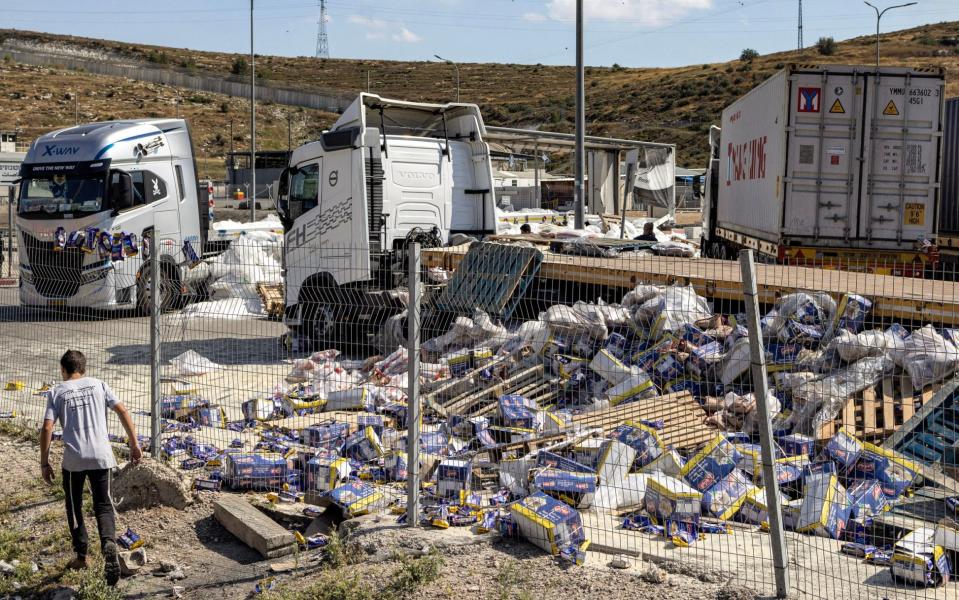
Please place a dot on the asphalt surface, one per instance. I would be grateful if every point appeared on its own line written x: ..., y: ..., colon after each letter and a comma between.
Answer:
x: 251, y: 356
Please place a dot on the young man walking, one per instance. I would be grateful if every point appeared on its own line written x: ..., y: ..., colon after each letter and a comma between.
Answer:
x: 80, y: 404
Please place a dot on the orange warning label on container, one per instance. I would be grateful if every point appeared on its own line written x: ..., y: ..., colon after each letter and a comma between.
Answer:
x: 837, y: 108
x: 891, y: 109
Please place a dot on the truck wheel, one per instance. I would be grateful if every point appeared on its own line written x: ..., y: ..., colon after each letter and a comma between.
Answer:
x: 169, y: 294
x: 319, y: 323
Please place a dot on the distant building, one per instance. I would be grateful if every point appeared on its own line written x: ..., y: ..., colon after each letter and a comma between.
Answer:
x: 8, y: 141
x: 269, y: 165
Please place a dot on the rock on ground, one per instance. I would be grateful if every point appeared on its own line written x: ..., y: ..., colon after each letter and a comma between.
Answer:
x: 150, y: 484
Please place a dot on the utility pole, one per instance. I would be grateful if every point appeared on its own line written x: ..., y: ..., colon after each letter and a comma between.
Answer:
x: 580, y: 195
x: 456, y: 70
x: 76, y: 107
x: 367, y: 81
x: 879, y: 18
x: 231, y: 136
x: 289, y: 131
x: 252, y: 199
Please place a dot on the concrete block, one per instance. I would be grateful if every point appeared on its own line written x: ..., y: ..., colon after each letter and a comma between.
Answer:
x: 254, y: 528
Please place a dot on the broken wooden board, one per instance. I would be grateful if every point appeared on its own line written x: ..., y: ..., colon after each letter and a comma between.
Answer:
x: 682, y: 417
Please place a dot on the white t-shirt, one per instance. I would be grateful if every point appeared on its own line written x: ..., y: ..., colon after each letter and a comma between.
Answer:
x: 80, y: 405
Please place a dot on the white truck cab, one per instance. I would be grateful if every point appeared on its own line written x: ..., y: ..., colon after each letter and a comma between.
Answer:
x: 386, y: 172
x: 90, y: 195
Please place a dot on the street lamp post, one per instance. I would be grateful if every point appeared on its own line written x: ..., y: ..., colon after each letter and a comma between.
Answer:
x: 879, y: 15
x: 456, y: 70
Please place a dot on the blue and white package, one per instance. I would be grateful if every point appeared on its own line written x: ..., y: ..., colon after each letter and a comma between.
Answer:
x: 867, y: 498
x: 844, y: 449
x: 694, y: 335
x: 327, y: 435
x: 548, y: 523
x: 452, y: 477
x: 546, y: 459
x: 702, y: 357
x: 252, y: 470
x: 616, y: 345
x: 825, y: 506
x: 714, y: 461
x: 518, y: 411
x: 851, y: 313
x: 357, y: 498
x: 894, y: 472
x: 724, y: 499
x: 797, y: 444
x: 670, y: 498
x: 643, y: 439
x: 364, y: 445
x: 574, y: 488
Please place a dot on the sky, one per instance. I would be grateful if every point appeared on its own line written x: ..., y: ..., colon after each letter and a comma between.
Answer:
x: 634, y: 33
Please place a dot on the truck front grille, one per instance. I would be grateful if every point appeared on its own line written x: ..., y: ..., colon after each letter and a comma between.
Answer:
x: 56, y: 274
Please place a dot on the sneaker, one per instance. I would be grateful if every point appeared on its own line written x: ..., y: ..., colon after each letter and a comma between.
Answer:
x: 77, y: 564
x: 111, y: 563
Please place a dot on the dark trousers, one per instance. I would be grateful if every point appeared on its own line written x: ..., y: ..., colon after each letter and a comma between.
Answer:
x: 102, y: 506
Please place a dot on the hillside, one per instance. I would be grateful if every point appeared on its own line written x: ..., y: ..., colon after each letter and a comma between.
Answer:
x: 664, y: 105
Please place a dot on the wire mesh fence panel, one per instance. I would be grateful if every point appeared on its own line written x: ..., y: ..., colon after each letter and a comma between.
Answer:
x: 864, y: 376
x: 70, y: 293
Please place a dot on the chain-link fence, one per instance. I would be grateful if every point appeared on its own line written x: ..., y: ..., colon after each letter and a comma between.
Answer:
x: 590, y: 397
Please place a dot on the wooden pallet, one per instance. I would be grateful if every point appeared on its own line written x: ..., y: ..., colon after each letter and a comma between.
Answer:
x: 471, y: 397
x: 878, y: 411
x: 492, y: 277
x: 681, y: 414
x: 272, y: 296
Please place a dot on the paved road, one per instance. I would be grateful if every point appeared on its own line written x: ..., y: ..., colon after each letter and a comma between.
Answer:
x: 117, y: 344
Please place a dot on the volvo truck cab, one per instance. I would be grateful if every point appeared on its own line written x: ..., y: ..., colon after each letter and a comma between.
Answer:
x: 89, y: 197
x: 388, y: 172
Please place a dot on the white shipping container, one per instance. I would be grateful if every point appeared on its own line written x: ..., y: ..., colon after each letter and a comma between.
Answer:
x: 834, y: 156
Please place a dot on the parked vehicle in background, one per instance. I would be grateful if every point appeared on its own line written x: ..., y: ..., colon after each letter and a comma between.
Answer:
x: 833, y: 166
x: 89, y: 197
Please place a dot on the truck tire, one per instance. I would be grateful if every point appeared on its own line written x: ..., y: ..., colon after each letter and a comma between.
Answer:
x: 170, y: 297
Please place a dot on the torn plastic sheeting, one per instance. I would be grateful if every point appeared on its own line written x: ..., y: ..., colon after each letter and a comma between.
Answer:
x: 581, y: 318
x: 852, y: 347
x: 190, y: 363
x: 819, y: 401
x: 671, y: 308
x: 928, y: 357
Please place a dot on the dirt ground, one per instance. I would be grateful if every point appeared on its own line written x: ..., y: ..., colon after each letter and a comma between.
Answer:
x: 385, y: 557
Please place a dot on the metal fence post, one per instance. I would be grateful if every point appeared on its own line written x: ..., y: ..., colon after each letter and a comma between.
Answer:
x: 757, y: 357
x: 10, y: 196
x: 154, y: 259
x: 413, y: 390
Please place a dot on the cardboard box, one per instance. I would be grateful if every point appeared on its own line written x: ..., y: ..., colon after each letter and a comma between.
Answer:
x: 329, y: 435
x: 326, y: 473
x: 796, y: 444
x: 668, y: 463
x: 714, y: 461
x: 548, y: 523
x: 517, y: 411
x: 614, y: 462
x: 626, y: 494
x: 754, y: 509
x: 247, y: 470
x: 947, y: 535
x: 917, y: 559
x: 572, y: 487
x: 867, y: 499
x: 844, y: 449
x: 670, y: 498
x: 357, y: 498
x: 550, y: 460
x: 643, y: 439
x: 724, y: 499
x: 609, y: 367
x: 632, y: 388
x: 364, y: 445
x: 454, y: 476
x: 825, y: 507
x: 894, y: 472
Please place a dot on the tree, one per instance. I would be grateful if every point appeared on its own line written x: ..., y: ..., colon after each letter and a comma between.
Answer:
x: 826, y: 46
x: 239, y: 66
x: 748, y: 54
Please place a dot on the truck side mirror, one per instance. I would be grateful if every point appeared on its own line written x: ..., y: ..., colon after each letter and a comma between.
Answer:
x: 121, y: 190
x: 283, y: 192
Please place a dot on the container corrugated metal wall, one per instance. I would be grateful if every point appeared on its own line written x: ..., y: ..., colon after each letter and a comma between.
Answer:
x: 949, y: 204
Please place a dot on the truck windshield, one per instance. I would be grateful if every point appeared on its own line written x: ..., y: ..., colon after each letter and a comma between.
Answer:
x: 60, y: 194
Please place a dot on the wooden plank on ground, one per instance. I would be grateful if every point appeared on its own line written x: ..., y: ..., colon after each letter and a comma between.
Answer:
x: 888, y: 404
